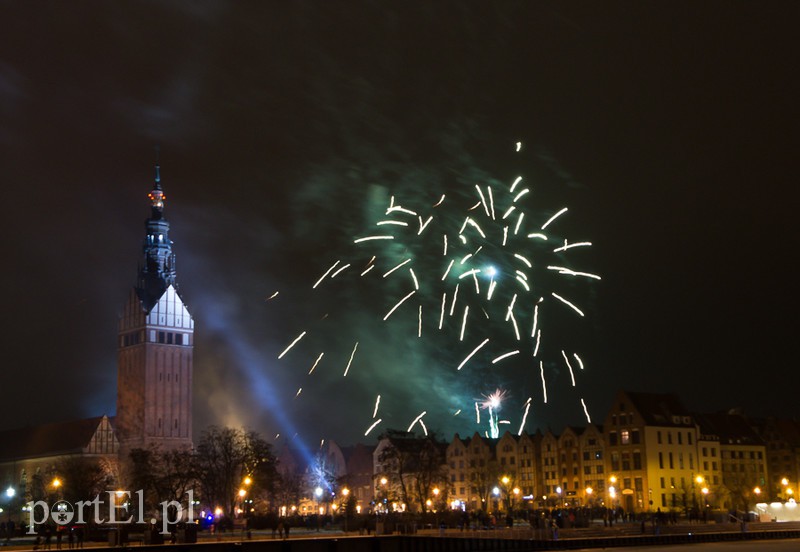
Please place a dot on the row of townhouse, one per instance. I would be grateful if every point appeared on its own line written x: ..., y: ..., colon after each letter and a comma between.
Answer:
x: 650, y: 453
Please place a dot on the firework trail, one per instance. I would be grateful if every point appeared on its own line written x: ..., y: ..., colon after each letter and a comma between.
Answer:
x: 479, y: 270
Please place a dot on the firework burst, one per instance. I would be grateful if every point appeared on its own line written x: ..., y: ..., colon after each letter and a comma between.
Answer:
x: 480, y: 272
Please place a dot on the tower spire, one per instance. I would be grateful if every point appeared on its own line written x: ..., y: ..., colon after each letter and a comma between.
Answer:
x: 158, y: 168
x: 158, y: 271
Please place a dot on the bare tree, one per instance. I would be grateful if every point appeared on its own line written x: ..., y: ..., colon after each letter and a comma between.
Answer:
x: 226, y: 458
x: 431, y: 469
x: 161, y: 475
x: 414, y: 465
x: 483, y: 478
x: 80, y: 479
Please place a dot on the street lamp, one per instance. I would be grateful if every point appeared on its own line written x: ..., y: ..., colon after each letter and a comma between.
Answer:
x: 383, y: 494
x: 345, y: 494
x: 699, y: 480
x: 505, y: 480
x: 10, y: 492
x: 589, y: 492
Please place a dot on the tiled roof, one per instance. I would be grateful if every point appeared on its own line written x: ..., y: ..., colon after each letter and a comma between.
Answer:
x: 660, y: 409
x: 730, y: 428
x: 47, y: 440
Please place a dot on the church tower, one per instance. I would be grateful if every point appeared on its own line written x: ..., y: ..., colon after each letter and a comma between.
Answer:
x: 156, y: 338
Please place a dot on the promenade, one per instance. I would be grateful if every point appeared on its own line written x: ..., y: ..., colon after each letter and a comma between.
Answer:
x: 723, y: 537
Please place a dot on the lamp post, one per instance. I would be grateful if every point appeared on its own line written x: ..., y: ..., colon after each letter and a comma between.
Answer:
x: 346, y: 494
x: 784, y: 488
x: 10, y: 494
x: 698, y: 481
x: 383, y: 495
x: 612, y: 491
x: 505, y: 481
x: 56, y: 483
x: 589, y: 492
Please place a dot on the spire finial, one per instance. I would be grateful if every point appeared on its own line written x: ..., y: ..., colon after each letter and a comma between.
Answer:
x: 158, y: 167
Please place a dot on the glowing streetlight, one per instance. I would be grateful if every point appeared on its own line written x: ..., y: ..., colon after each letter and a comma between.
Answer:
x: 436, y: 492
x: 384, y: 481
x: 10, y: 492
x: 56, y: 483
x: 242, y: 493
x: 247, y: 480
x: 505, y: 480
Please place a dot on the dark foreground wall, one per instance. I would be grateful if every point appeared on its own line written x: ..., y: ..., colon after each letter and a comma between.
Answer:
x: 447, y: 544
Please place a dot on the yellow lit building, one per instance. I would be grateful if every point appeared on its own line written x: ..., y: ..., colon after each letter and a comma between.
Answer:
x: 742, y: 462
x: 651, y: 444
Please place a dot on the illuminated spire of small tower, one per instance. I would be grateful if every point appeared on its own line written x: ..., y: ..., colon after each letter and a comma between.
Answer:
x: 158, y: 271
x: 156, y: 195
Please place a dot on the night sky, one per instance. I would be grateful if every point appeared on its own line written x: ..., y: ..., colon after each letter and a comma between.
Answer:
x: 669, y: 129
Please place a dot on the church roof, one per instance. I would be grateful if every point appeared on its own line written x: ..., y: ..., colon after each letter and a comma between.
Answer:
x: 48, y: 440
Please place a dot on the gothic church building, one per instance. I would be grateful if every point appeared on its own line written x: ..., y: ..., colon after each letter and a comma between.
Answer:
x: 154, y: 377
